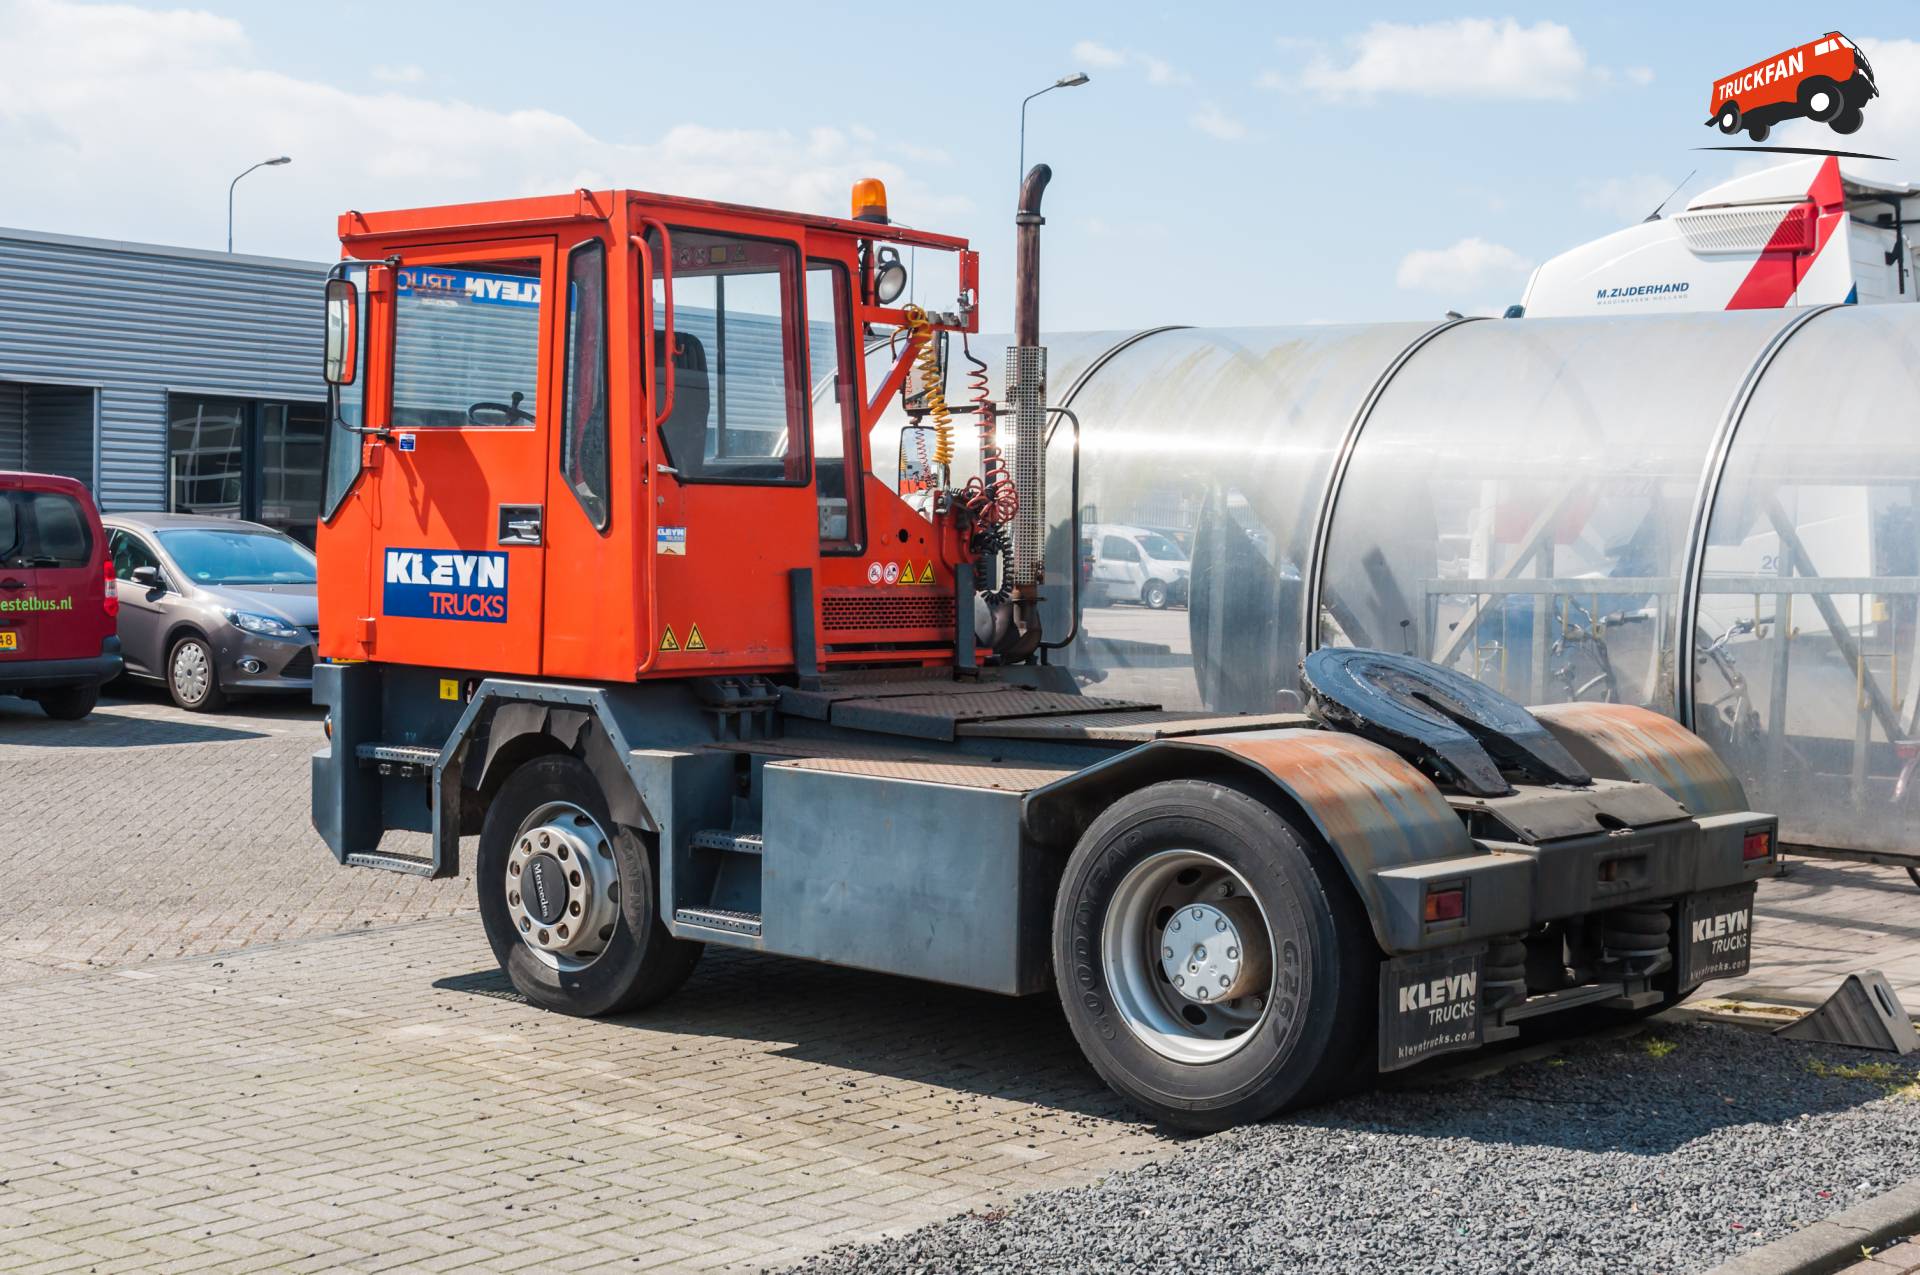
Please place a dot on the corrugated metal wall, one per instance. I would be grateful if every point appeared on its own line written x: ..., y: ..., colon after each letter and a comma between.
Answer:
x: 59, y: 430
x: 13, y: 426
x: 138, y: 320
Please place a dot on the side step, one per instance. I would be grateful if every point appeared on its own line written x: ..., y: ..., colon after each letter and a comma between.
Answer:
x: 409, y: 864
x: 721, y: 839
x: 404, y: 758
x: 720, y: 919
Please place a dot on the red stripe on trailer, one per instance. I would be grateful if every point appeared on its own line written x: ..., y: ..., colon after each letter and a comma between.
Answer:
x: 1782, y: 264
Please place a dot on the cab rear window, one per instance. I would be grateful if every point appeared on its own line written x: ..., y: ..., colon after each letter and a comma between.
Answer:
x: 43, y: 529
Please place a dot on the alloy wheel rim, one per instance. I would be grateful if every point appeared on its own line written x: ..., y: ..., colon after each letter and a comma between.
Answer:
x: 190, y: 671
x: 562, y: 886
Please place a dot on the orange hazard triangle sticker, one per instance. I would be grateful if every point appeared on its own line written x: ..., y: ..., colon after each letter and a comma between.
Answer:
x: 906, y: 573
x: 926, y: 576
x: 669, y: 642
x: 694, y: 641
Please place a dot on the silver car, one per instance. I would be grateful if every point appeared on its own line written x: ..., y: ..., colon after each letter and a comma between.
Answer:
x: 212, y: 606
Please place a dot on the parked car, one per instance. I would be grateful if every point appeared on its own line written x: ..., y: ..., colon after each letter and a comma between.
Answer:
x: 1132, y: 564
x: 211, y: 607
x: 57, y: 601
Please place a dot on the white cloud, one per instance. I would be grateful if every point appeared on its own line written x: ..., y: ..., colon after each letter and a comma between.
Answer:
x: 1158, y: 71
x: 1892, y: 120
x: 1641, y: 75
x: 1628, y: 198
x: 408, y: 74
x: 1456, y: 57
x: 1468, y: 266
x: 1216, y: 123
x: 100, y: 97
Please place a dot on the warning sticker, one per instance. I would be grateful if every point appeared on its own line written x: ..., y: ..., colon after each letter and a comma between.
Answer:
x: 671, y: 541
x: 875, y: 572
x: 449, y: 688
x: 694, y: 641
x: 893, y: 572
x: 906, y: 575
x: 669, y: 642
x: 926, y: 574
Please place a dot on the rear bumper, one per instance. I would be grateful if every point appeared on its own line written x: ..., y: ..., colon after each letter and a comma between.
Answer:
x: 1515, y: 887
x: 17, y: 676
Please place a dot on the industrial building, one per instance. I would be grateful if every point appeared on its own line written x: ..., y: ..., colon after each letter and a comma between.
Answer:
x: 164, y: 378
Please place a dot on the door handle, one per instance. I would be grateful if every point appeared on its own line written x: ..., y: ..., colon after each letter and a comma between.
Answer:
x: 11, y: 583
x: 519, y: 525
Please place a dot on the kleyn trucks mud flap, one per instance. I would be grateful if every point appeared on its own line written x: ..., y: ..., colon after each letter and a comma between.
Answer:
x: 1716, y: 934
x: 1430, y: 1004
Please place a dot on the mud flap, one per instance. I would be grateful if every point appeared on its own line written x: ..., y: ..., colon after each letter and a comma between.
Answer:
x: 1430, y: 1005
x: 1716, y: 935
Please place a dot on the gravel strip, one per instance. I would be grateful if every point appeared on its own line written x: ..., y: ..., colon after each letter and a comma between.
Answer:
x: 1668, y: 1151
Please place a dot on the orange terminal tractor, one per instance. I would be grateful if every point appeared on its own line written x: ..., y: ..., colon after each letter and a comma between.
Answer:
x: 612, y: 581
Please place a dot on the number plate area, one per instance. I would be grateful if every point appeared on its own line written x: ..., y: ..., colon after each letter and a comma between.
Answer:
x: 1716, y: 934
x: 1429, y: 1005
x: 9, y: 640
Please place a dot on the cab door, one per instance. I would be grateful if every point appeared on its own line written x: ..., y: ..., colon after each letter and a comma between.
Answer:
x: 455, y: 490
x: 19, y: 583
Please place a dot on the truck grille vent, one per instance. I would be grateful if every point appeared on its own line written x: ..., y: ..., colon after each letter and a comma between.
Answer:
x: 1784, y: 227
x: 877, y: 611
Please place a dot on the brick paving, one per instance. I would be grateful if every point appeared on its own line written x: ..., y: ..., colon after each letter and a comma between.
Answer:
x: 221, y: 1051
x: 1901, y: 1259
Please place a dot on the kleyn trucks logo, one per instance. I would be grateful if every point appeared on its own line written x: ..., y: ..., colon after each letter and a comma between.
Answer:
x: 1828, y: 80
x: 438, y: 585
x: 1726, y: 932
x: 1441, y: 999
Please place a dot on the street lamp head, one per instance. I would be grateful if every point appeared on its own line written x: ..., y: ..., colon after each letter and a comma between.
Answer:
x: 1073, y: 81
x: 279, y: 160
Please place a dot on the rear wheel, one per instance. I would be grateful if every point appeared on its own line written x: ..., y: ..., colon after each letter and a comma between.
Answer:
x: 1848, y: 120
x: 192, y: 679
x: 1759, y: 132
x: 69, y: 703
x: 1211, y: 971
x: 568, y: 897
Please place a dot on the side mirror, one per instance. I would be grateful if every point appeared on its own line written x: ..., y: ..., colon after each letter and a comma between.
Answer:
x: 918, y: 470
x: 913, y: 390
x: 343, y: 336
x: 148, y: 578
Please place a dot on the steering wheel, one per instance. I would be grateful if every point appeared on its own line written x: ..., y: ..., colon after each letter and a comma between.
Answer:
x: 509, y: 413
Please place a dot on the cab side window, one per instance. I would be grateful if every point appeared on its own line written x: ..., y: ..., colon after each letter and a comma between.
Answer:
x: 128, y: 552
x: 836, y: 408
x: 466, y: 344
x: 739, y: 372
x: 583, y: 436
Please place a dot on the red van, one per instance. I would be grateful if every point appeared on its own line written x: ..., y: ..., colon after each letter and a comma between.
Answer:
x: 1828, y: 80
x: 58, y: 606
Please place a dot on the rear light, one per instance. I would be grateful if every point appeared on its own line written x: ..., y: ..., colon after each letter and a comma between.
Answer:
x: 1758, y: 845
x: 110, y: 600
x: 1445, y: 905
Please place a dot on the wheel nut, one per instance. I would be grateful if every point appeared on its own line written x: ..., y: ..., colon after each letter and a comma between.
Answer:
x: 1225, y: 981
x: 1220, y: 923
x: 543, y: 936
x: 1198, y: 914
x: 1175, y: 925
x: 1166, y: 953
x: 563, y: 849
x: 1178, y: 981
x: 574, y: 908
x: 1201, y: 992
x: 1233, y: 953
x: 545, y: 841
x: 514, y: 868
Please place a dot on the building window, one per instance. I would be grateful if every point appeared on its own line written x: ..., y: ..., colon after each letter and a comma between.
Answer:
x: 244, y: 458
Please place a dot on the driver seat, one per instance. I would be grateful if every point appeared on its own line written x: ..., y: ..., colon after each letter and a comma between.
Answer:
x: 685, y: 430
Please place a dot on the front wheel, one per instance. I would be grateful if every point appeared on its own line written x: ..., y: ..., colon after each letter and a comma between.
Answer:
x: 1154, y: 595
x: 1212, y: 971
x: 192, y: 678
x: 568, y: 897
x: 1821, y: 99
x: 1729, y: 119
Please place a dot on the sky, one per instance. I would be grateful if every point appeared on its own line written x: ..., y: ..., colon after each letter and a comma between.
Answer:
x: 1228, y: 164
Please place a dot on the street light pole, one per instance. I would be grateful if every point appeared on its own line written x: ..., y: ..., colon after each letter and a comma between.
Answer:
x: 1073, y: 81
x: 265, y: 163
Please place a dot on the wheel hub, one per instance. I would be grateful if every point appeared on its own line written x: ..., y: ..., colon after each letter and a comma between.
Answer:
x: 563, y: 890
x: 1204, y: 951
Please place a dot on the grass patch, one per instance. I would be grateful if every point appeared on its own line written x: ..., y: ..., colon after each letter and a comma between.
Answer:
x: 1657, y: 1047
x: 1896, y: 1080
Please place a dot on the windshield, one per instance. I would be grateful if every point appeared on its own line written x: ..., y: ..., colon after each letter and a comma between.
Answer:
x: 208, y: 555
x: 1161, y: 549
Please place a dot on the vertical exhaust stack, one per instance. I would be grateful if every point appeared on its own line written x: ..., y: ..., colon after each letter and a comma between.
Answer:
x: 1027, y: 396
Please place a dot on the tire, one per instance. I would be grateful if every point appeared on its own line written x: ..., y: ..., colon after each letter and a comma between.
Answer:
x: 1246, y: 1057
x: 193, y: 677
x: 633, y: 961
x: 1729, y: 118
x: 69, y: 703
x: 1848, y: 120
x: 1154, y: 594
x: 1759, y: 132
x: 1831, y: 104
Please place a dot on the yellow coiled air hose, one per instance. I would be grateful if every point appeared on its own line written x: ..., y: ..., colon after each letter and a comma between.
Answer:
x: 919, y: 329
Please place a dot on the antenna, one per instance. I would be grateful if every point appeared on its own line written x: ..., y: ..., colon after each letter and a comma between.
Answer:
x: 1655, y: 214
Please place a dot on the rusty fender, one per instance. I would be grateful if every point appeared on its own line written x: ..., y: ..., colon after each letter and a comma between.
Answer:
x: 1618, y: 741
x: 1372, y: 809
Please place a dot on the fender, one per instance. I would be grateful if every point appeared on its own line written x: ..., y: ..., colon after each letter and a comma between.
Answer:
x: 1372, y: 809
x: 1619, y: 741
